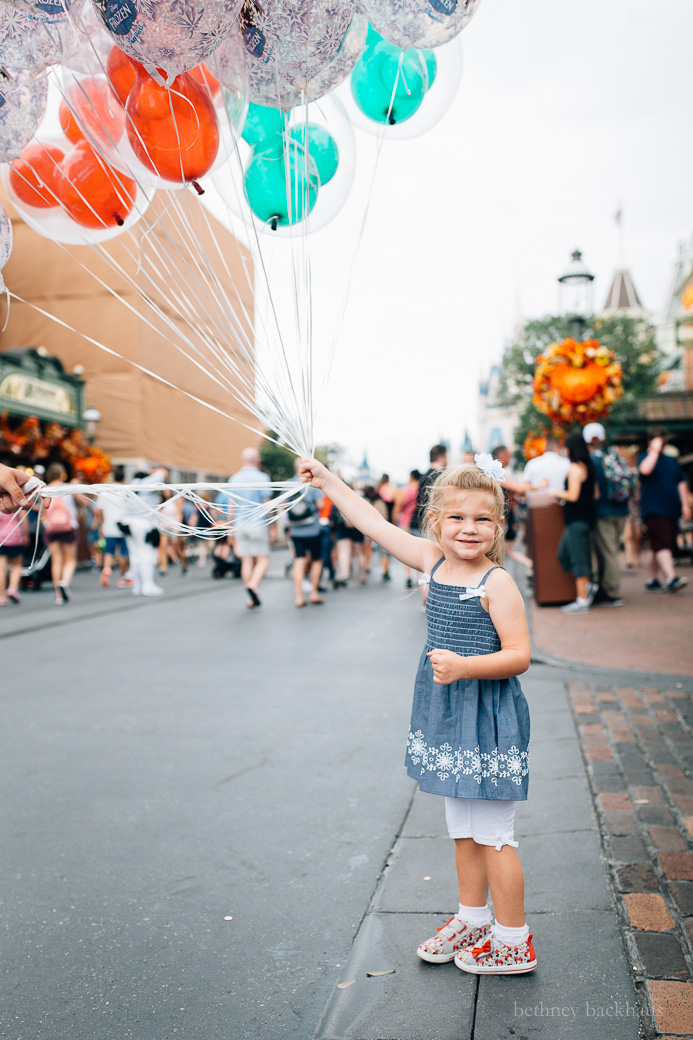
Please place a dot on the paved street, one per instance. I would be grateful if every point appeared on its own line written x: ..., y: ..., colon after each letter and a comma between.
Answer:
x: 209, y: 833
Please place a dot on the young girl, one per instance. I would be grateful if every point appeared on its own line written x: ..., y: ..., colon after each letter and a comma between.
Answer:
x: 470, y: 721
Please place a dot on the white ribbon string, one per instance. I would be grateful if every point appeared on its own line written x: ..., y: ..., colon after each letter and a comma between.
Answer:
x: 221, y: 516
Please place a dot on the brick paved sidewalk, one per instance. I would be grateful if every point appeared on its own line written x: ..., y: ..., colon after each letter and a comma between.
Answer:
x: 638, y: 750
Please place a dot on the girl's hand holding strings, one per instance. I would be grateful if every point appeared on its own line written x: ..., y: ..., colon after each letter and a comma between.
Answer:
x: 312, y: 472
x: 447, y: 666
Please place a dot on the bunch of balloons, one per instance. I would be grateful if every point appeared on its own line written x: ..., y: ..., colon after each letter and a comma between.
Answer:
x: 287, y: 167
x: 161, y: 95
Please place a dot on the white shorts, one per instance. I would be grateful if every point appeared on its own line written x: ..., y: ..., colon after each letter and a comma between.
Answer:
x: 487, y: 822
x: 252, y: 540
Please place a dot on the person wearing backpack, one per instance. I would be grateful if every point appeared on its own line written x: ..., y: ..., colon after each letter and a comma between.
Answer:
x: 616, y: 481
x: 60, y: 531
x: 305, y: 531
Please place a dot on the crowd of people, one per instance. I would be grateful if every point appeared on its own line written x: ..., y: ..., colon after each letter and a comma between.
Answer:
x: 613, y: 500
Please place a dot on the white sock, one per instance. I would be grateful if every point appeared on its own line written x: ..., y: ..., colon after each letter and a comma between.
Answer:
x: 475, y: 915
x: 582, y: 600
x: 510, y: 936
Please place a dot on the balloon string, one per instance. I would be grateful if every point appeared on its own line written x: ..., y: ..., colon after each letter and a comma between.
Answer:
x: 223, y: 517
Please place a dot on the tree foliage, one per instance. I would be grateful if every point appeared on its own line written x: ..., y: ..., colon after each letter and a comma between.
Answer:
x: 279, y: 461
x: 631, y: 339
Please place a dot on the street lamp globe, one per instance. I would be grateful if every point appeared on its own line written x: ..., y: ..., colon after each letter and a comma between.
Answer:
x: 575, y: 290
x: 92, y: 418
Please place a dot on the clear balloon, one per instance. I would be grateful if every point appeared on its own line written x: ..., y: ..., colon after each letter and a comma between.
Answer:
x: 27, y: 42
x: 77, y: 198
x: 35, y: 174
x: 401, y: 100
x: 5, y: 241
x: 389, y: 84
x: 282, y: 189
x: 168, y: 35
x: 172, y: 134
x: 294, y: 41
x: 268, y: 86
x: 276, y: 181
x: 88, y: 45
x: 418, y: 23
x: 22, y: 105
x: 45, y: 8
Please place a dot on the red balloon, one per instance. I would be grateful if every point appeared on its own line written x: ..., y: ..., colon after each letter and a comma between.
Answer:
x: 173, y: 132
x: 122, y: 72
x: 96, y: 108
x: 93, y: 193
x: 35, y: 175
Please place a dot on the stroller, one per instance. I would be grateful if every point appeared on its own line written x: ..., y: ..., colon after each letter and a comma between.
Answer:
x: 228, y: 565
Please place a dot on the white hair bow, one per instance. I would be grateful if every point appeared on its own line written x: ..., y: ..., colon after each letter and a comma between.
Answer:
x: 490, y: 466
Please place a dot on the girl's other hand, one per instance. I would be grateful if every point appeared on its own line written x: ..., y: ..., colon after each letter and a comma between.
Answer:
x: 447, y: 667
x: 312, y: 472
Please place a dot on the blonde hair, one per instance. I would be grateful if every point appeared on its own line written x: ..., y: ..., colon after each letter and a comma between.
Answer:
x: 468, y: 478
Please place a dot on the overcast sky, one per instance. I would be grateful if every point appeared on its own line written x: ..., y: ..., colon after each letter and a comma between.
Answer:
x: 566, y: 112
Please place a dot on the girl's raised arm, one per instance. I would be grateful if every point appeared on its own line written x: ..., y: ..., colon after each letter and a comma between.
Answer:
x: 418, y: 553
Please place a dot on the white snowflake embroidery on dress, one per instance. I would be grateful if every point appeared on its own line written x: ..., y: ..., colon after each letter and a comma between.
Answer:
x: 494, y: 765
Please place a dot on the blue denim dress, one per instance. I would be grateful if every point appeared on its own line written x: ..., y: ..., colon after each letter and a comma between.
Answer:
x: 469, y: 739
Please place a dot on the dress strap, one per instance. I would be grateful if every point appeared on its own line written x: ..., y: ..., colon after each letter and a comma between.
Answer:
x: 441, y: 560
x: 494, y: 568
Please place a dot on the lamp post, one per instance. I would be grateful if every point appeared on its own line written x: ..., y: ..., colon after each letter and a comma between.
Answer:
x: 92, y: 418
x: 575, y: 294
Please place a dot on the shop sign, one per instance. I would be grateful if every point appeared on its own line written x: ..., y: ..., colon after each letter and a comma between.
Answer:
x: 29, y: 394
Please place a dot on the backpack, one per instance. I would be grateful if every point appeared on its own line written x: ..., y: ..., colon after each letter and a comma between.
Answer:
x: 621, y: 479
x: 57, y: 520
x: 301, y: 511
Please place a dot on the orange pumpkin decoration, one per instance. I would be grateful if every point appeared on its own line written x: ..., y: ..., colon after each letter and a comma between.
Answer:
x: 576, y: 385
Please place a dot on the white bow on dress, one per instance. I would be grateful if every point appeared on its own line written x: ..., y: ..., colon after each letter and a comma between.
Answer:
x: 473, y: 593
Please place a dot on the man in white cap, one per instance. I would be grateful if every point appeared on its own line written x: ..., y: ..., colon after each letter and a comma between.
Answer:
x: 610, y: 522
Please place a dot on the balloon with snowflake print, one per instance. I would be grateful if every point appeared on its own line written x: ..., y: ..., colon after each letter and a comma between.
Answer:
x: 22, y: 106
x: 268, y: 86
x: 5, y: 241
x: 296, y: 40
x: 28, y: 43
x: 418, y: 23
x: 45, y: 8
x: 171, y: 36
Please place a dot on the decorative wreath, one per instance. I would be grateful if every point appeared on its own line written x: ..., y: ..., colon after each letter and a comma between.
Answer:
x: 576, y: 382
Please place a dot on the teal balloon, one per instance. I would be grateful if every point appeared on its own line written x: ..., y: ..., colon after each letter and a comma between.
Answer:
x: 372, y: 38
x: 279, y: 189
x: 264, y: 127
x: 373, y: 82
x: 322, y: 149
x: 431, y: 62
